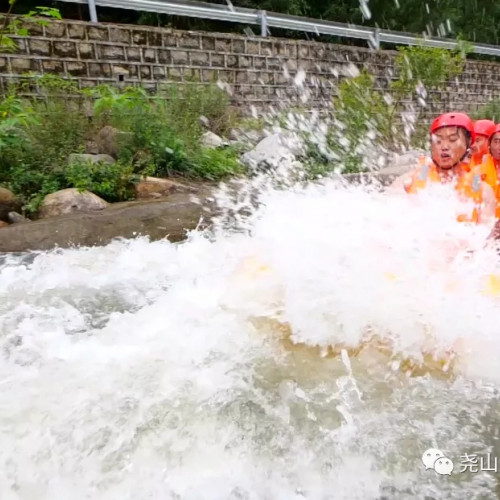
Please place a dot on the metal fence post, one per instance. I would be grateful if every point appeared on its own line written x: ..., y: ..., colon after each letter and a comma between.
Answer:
x: 93, y: 11
x: 263, y: 23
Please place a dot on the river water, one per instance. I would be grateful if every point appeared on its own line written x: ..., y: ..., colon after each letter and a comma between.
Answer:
x: 156, y: 371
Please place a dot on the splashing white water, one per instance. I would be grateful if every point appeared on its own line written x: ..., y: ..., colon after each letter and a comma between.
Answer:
x: 153, y: 370
x: 161, y: 371
x: 363, y: 5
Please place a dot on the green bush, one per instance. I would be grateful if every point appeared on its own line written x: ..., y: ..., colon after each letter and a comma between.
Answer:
x: 489, y: 111
x: 14, y: 119
x: 111, y: 182
x: 34, y: 151
x: 161, y: 137
x: 167, y: 128
x: 364, y: 120
x: 215, y: 164
x: 361, y: 121
x: 427, y: 66
x: 17, y: 26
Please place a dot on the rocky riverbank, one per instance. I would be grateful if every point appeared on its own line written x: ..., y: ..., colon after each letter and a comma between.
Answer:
x: 164, y: 218
x: 162, y: 208
x: 82, y: 219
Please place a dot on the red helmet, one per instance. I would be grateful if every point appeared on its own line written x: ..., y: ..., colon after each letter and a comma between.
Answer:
x: 484, y: 127
x: 454, y: 120
x: 494, y: 131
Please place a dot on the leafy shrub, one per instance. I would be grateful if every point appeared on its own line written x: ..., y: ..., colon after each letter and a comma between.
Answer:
x: 365, y: 120
x: 111, y: 182
x: 161, y: 137
x: 361, y: 121
x: 489, y: 111
x: 215, y: 164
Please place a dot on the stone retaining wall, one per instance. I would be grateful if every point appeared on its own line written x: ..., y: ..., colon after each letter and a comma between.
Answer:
x: 258, y: 71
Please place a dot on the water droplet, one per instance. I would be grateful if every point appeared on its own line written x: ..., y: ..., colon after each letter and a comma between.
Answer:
x: 299, y: 78
x: 363, y: 5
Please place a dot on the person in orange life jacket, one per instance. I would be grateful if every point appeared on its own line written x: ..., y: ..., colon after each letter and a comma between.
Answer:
x: 482, y: 130
x: 492, y: 163
x: 495, y: 145
x: 452, y: 136
x: 489, y: 168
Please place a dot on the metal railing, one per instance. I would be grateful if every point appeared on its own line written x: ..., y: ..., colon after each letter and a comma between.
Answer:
x: 266, y: 20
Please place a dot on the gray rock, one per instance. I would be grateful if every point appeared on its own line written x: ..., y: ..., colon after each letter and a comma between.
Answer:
x: 91, y: 148
x: 153, y: 187
x: 204, y: 121
x: 251, y: 137
x: 8, y: 203
x: 273, y: 151
x: 110, y: 140
x: 157, y: 219
x: 15, y: 218
x: 403, y: 163
x: 211, y: 140
x: 69, y: 201
x: 92, y: 158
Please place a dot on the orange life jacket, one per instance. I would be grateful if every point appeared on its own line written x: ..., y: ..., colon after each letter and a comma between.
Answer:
x: 489, y: 169
x: 468, y: 185
x: 425, y: 172
x: 476, y: 160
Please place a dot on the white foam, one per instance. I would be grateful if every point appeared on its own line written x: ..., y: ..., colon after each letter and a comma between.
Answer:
x: 140, y: 370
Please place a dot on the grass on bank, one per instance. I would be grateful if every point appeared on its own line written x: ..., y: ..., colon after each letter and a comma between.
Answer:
x: 161, y: 133
x: 161, y: 137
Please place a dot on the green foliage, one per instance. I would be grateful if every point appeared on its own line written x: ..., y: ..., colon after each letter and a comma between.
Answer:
x: 110, y: 182
x: 427, y: 66
x: 167, y: 129
x: 188, y: 102
x: 490, y: 111
x: 156, y: 137
x: 362, y: 120
x: 17, y: 26
x: 360, y: 108
x: 34, y: 154
x: 14, y: 118
x: 365, y: 119
x: 215, y: 164
x: 116, y: 107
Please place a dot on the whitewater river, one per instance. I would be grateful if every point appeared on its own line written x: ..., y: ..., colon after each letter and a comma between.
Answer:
x: 156, y: 371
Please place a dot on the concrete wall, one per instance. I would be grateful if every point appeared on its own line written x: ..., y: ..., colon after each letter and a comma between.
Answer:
x: 259, y: 71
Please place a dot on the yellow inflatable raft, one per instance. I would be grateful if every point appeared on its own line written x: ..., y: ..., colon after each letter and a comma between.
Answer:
x: 252, y: 270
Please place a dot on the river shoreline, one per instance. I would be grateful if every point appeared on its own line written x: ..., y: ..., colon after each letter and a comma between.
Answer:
x: 170, y: 217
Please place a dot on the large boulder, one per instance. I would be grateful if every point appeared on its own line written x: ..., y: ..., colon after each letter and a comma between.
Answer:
x: 394, y: 175
x: 273, y: 151
x: 210, y: 140
x: 8, y: 203
x: 109, y: 140
x: 91, y: 148
x: 153, y: 187
x: 247, y: 138
x: 68, y: 201
x: 401, y: 164
x: 170, y: 218
x: 15, y: 218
